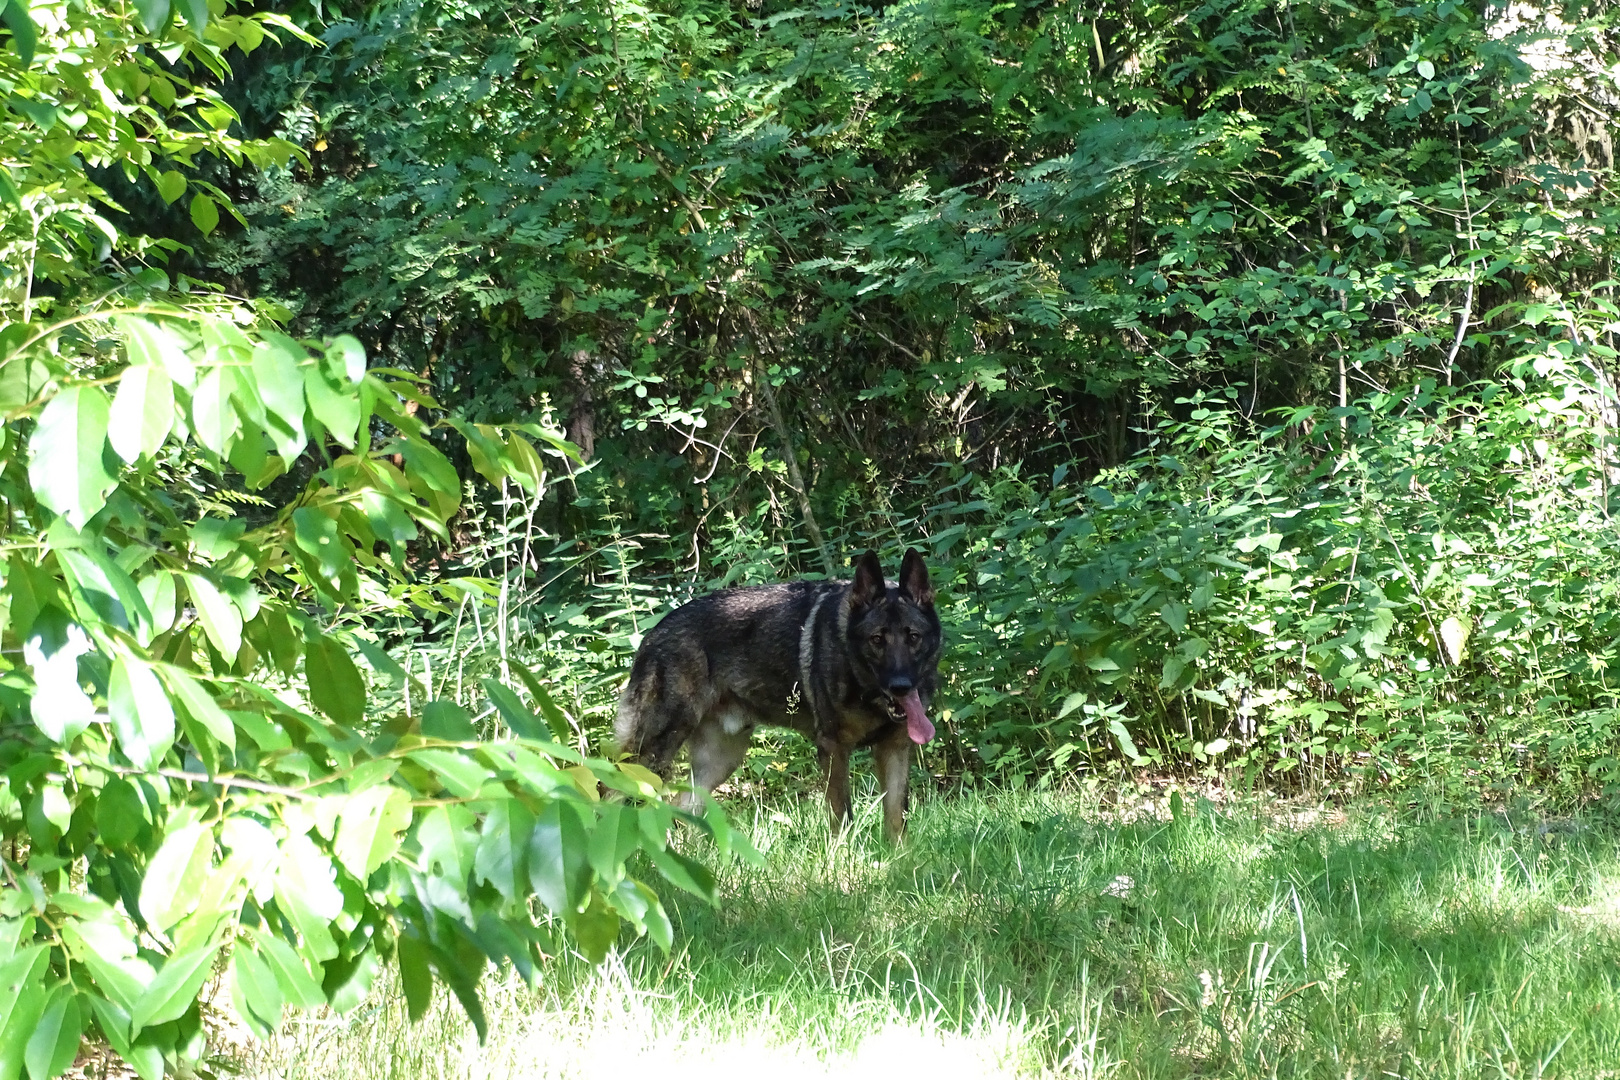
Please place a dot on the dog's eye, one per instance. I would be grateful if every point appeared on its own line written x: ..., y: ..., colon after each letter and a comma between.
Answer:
x: 877, y: 638
x: 912, y: 636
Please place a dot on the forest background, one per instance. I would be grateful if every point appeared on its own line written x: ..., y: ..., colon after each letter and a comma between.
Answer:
x: 1245, y: 371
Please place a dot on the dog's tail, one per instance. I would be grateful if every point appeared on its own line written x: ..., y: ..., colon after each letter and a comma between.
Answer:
x: 635, y: 711
x: 668, y: 692
x: 648, y: 726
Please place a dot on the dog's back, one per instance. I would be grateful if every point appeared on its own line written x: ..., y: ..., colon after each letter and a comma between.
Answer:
x: 736, y: 652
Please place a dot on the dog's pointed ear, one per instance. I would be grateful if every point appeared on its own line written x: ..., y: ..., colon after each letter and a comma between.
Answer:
x: 868, y: 586
x: 914, y: 578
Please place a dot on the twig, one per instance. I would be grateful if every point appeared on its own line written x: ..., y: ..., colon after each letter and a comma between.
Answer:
x: 887, y: 338
x: 1462, y: 324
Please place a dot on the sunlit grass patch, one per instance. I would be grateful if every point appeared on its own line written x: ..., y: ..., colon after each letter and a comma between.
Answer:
x: 1027, y: 934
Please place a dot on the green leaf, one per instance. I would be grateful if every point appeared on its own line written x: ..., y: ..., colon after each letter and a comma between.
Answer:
x: 250, y: 453
x: 281, y: 386
x: 443, y: 719
x: 460, y: 772
x: 1454, y: 640
x: 485, y: 448
x: 196, y: 12
x: 523, y: 464
x: 55, y: 1042
x: 219, y: 617
x: 337, y: 409
x: 51, y: 807
x: 1174, y: 616
x: 170, y: 186
x: 388, y: 520
x: 317, y: 536
x: 1174, y: 668
x: 503, y: 848
x: 415, y: 976
x: 255, y: 992
x: 446, y: 841
x: 154, y: 14
x: 175, y: 875
x: 684, y: 873
x: 298, y: 986
x: 369, y: 828
x: 142, y: 413
x: 559, y: 870
x: 119, y: 974
x: 23, y: 37
x: 153, y: 344
x: 41, y: 113
x: 174, y: 988
x: 649, y: 911
x: 114, y: 1022
x: 461, y: 967
x: 556, y: 719
x: 142, y: 717
x: 60, y: 708
x: 120, y: 813
x: 307, y: 894
x: 523, y: 722
x: 213, y: 412
x: 101, y: 586
x: 350, y: 354
x: 335, y: 685
x: 349, y: 979
x: 596, y: 928
x: 30, y: 591
x: 422, y: 459
x: 21, y: 975
x: 65, y: 464
x: 381, y: 662
x: 24, y: 1022
x: 1126, y: 745
x: 616, y: 837
x: 200, y: 704
x: 215, y: 538
x: 204, y: 211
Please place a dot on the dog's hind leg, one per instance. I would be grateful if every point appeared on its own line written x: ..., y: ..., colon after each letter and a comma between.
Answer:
x: 677, y: 720
x: 718, y: 746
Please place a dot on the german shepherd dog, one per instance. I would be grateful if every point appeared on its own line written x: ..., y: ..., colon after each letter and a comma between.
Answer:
x: 848, y: 663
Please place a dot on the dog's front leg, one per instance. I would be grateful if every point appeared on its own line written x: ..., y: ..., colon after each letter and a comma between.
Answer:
x: 835, y: 763
x: 892, y: 757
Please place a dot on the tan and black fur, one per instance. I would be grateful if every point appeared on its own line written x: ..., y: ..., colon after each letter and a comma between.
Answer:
x: 832, y: 659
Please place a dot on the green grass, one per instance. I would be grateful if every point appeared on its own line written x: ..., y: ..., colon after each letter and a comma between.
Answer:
x: 1031, y: 934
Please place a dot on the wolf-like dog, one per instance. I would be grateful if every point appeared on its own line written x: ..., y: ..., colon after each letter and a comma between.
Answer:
x: 850, y: 664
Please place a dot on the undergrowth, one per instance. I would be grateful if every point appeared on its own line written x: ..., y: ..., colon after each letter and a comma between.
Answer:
x: 1419, y: 591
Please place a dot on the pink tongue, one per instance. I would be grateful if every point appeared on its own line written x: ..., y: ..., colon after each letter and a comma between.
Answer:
x: 917, y: 725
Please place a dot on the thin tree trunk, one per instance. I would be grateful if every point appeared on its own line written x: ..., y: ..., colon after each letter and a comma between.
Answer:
x: 785, y: 436
x: 581, y: 426
x: 795, y: 479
